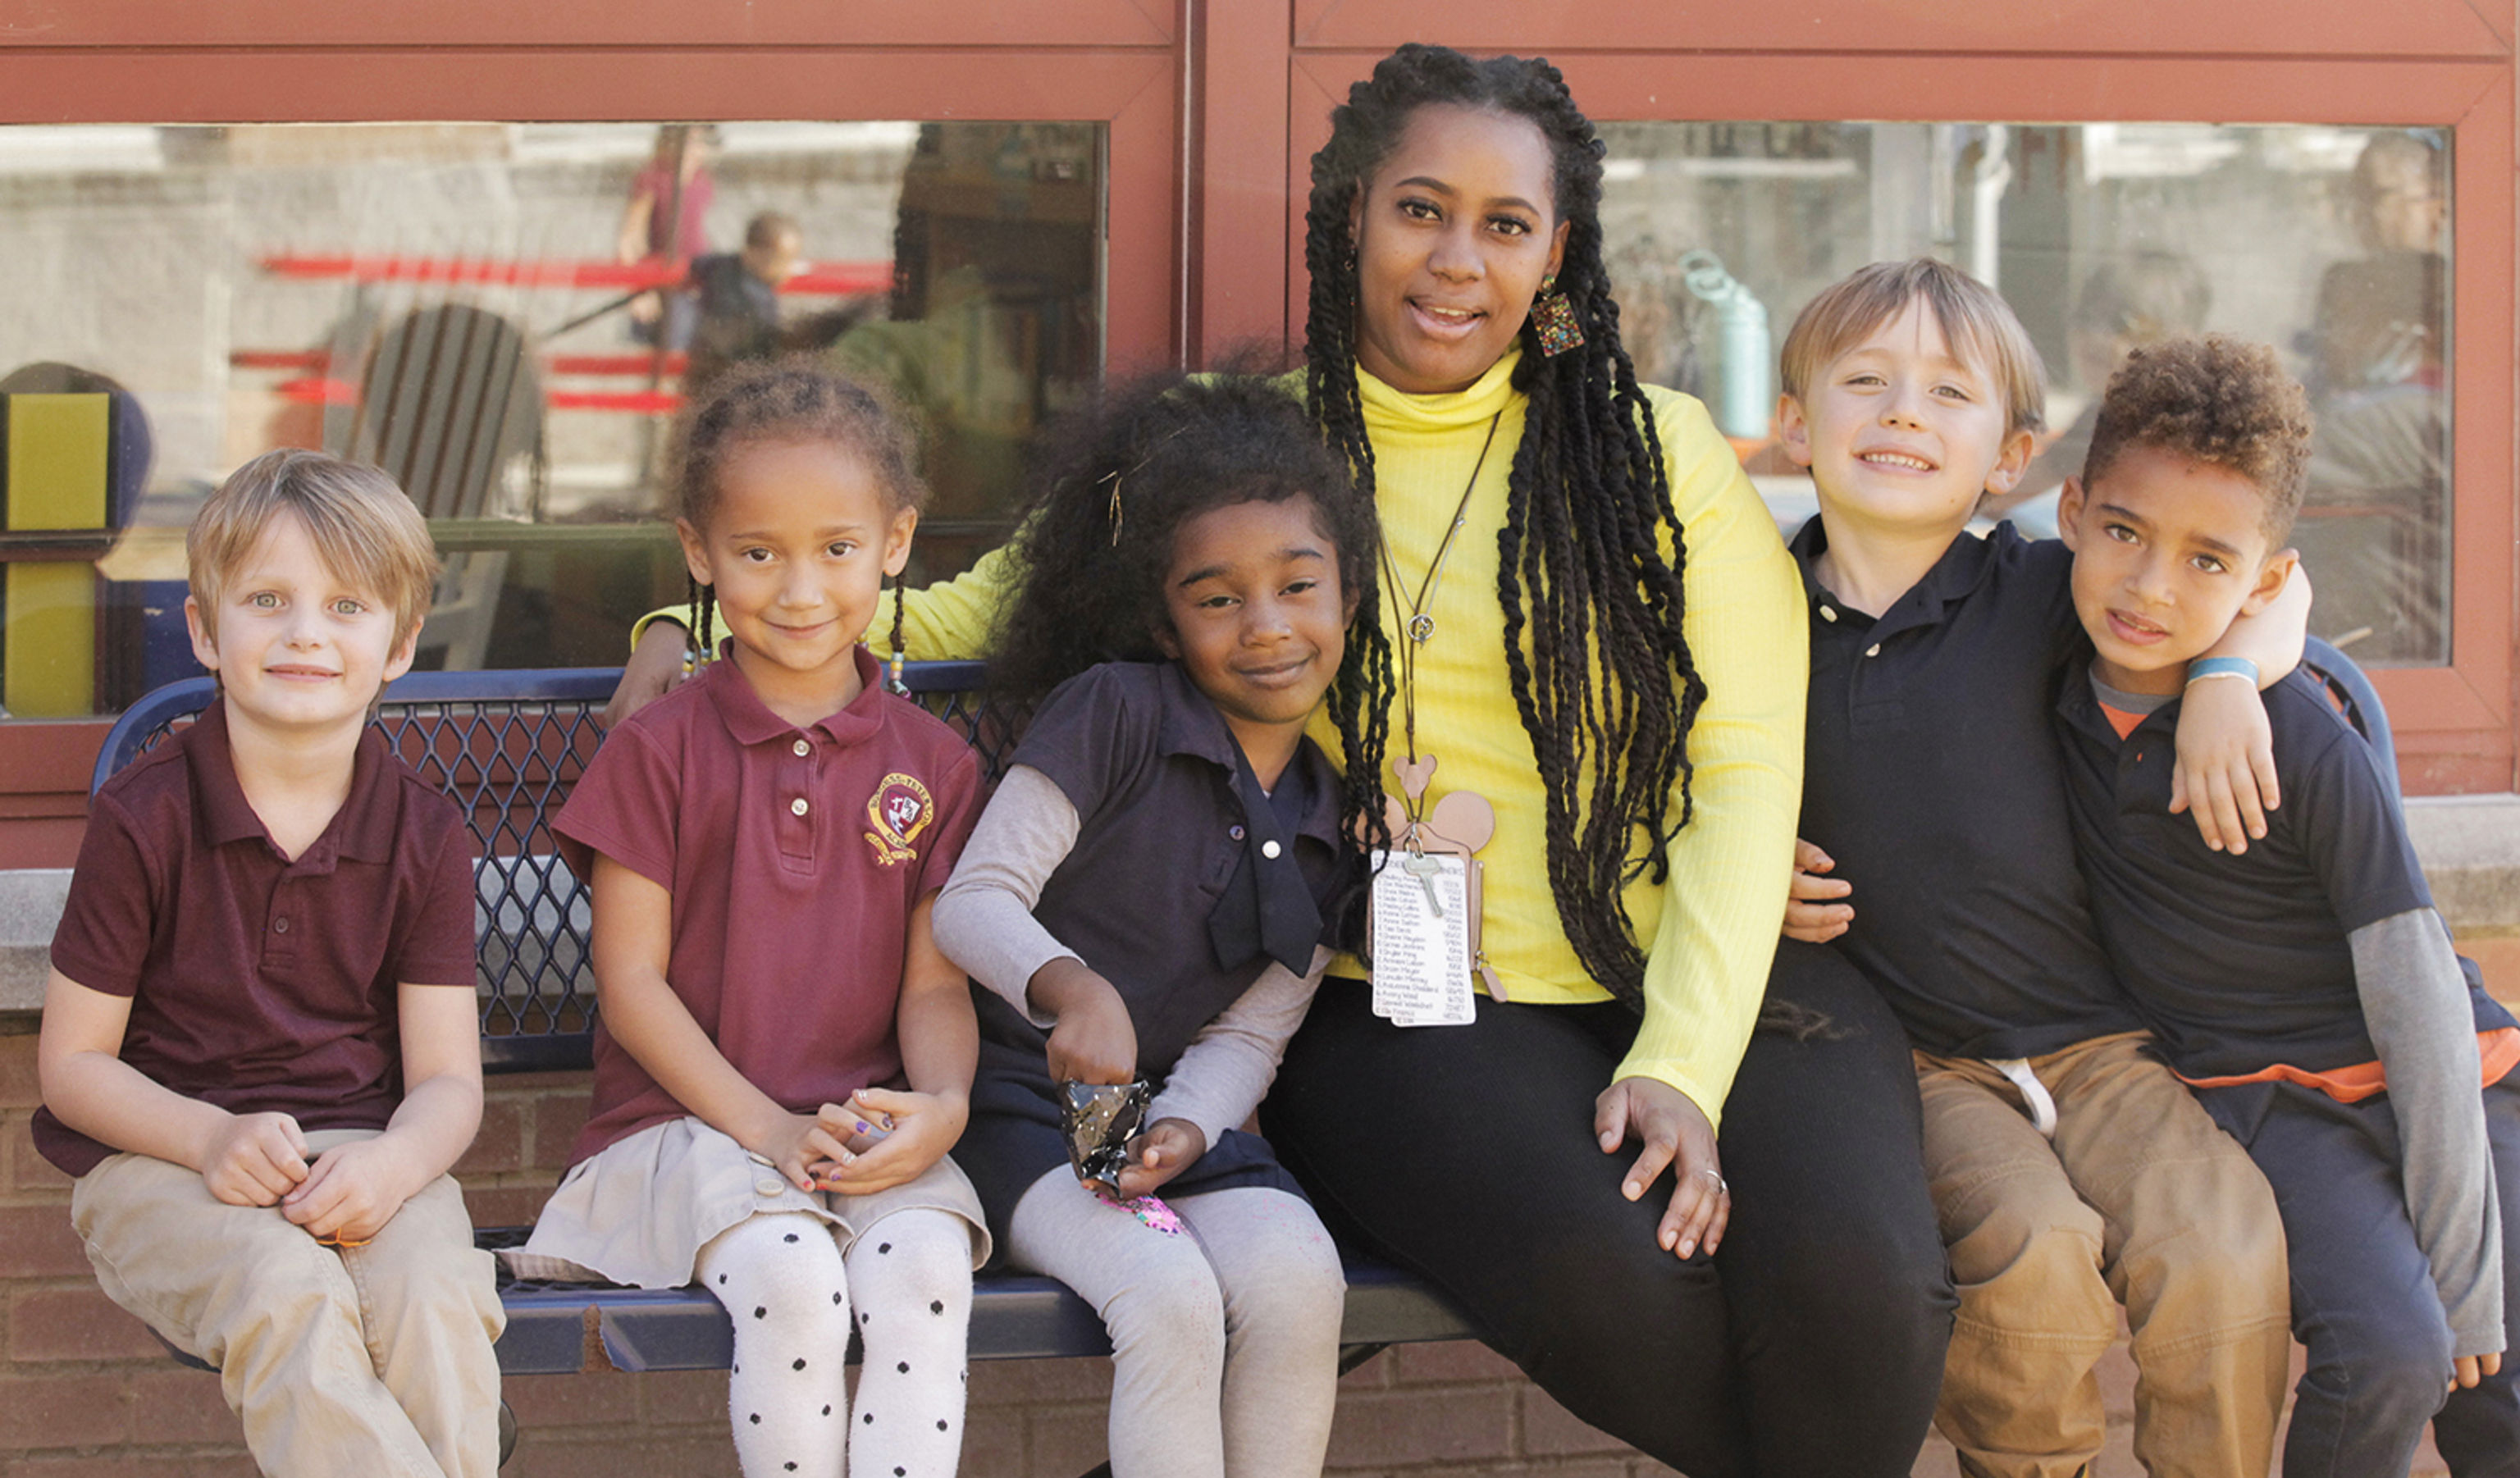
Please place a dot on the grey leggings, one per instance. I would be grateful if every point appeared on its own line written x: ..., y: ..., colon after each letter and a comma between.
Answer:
x: 1225, y: 1340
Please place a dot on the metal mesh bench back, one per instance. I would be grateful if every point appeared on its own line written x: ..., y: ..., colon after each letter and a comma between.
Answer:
x: 506, y: 747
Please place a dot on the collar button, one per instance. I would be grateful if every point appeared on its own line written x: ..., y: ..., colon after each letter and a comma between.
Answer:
x: 802, y: 748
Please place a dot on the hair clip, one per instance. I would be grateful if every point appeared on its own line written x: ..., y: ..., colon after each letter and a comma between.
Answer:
x: 1122, y: 476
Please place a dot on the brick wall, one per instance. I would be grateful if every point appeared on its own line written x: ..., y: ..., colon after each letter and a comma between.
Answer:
x: 85, y: 1390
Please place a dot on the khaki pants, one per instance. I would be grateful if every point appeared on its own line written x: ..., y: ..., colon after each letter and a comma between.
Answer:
x: 373, y: 1361
x: 2140, y: 1200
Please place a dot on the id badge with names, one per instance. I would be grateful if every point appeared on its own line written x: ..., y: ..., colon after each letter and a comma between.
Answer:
x: 1423, y: 910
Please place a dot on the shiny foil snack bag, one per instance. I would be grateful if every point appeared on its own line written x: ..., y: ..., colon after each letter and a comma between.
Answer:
x: 1100, y: 1119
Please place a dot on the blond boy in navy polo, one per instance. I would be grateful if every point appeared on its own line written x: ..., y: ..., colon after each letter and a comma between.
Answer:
x: 2070, y: 1170
x: 259, y: 1049
x: 2306, y: 989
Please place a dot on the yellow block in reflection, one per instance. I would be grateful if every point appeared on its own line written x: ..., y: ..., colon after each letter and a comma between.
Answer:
x: 57, y: 468
x: 51, y: 652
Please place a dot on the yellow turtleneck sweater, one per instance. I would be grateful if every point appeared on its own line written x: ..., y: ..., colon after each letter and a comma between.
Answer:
x: 1712, y: 928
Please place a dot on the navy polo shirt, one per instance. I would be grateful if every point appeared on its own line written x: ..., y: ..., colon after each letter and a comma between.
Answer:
x: 1932, y: 776
x: 1149, y: 764
x: 2242, y: 963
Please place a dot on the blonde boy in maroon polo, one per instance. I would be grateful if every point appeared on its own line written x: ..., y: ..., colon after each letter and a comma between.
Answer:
x: 259, y: 1053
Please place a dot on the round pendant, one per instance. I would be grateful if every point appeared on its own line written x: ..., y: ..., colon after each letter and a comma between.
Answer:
x: 1422, y: 628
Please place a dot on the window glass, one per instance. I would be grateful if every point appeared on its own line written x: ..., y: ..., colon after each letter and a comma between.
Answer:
x: 506, y: 317
x: 2331, y: 244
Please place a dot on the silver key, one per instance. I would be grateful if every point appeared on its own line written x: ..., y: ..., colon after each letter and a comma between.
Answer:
x: 1427, y: 870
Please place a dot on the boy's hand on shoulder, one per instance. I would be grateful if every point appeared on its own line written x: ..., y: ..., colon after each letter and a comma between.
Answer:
x: 2226, y: 776
x: 2468, y: 1369
x: 352, y: 1191
x: 1168, y: 1147
x: 1812, y: 913
x: 254, y: 1159
x: 923, y: 1127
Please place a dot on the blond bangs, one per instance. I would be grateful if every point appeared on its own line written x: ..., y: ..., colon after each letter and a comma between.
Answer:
x: 367, y: 532
x: 1977, y: 323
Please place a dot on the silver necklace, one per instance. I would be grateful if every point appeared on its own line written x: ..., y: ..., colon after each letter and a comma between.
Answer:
x: 1420, y: 628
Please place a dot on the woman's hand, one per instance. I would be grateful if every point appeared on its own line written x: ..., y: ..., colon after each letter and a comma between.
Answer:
x: 925, y: 1125
x: 2468, y: 1369
x: 654, y: 669
x: 2226, y: 779
x: 1168, y: 1147
x: 1675, y: 1132
x: 1094, y: 1042
x: 1810, y: 914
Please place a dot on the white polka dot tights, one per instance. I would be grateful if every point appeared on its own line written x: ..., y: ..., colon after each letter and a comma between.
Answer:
x: 907, y: 1286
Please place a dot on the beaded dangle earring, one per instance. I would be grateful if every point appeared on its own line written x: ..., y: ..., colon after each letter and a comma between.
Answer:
x: 1552, y: 318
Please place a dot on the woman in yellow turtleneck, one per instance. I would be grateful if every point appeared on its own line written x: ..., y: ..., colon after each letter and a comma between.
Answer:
x: 1610, y: 648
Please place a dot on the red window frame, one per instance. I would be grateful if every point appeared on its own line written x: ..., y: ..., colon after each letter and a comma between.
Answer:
x: 1215, y: 106
x: 2424, y: 63
x: 1111, y: 62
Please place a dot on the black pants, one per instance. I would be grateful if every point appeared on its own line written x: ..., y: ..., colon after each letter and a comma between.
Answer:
x: 1810, y: 1344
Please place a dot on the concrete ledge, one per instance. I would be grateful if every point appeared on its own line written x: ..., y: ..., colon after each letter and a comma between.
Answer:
x: 2470, y: 846
x: 30, y: 905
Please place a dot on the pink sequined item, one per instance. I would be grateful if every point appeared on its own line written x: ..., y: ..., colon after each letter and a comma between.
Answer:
x: 1152, y: 1211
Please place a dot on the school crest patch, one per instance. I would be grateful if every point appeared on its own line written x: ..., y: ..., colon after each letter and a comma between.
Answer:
x: 899, y: 810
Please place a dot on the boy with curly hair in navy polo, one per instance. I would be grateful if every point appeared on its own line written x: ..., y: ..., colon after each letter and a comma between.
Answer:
x: 2305, y: 989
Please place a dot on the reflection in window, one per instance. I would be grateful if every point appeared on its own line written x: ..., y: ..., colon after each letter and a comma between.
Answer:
x: 506, y: 317
x: 2331, y: 244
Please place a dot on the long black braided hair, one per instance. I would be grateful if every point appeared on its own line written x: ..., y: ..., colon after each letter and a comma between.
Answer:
x: 1111, y: 486
x: 1600, y: 669
x: 795, y: 399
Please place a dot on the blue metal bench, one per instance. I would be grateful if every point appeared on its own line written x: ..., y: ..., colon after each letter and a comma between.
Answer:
x: 507, y: 746
x: 2350, y: 691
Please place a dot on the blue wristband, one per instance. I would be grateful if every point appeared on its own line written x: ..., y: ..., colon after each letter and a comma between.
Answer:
x: 2223, y: 667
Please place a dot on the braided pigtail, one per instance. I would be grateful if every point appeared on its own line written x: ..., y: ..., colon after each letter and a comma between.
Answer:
x: 703, y: 615
x: 896, y: 641
x: 1594, y: 654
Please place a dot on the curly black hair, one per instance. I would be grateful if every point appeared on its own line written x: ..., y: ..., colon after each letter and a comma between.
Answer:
x: 1113, y: 483
x: 1607, y: 692
x: 794, y: 399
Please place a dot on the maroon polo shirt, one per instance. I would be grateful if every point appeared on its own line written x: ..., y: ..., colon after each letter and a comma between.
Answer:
x: 794, y: 858
x: 259, y: 983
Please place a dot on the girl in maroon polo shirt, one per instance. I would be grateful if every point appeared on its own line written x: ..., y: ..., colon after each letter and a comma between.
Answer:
x: 1151, y: 891
x: 784, y: 1056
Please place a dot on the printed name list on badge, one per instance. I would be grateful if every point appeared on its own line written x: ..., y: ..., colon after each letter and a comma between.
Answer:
x: 1422, y: 939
